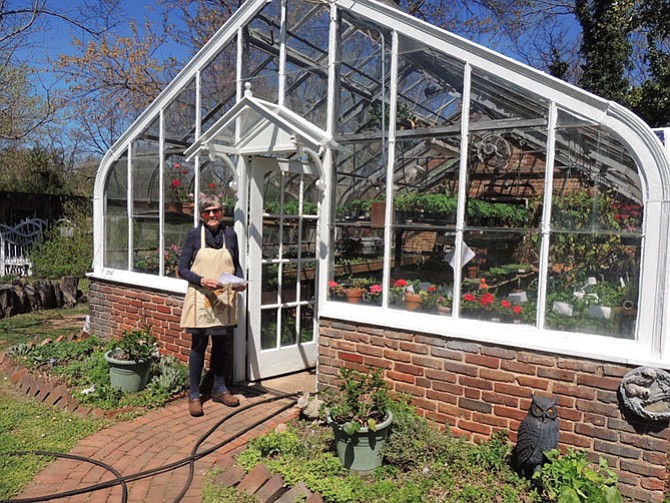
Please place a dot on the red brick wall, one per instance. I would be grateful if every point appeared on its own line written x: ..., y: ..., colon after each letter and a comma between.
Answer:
x: 478, y: 389
x: 115, y: 307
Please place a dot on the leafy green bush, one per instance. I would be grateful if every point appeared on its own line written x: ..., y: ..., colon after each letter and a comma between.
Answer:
x: 571, y: 479
x: 67, y: 249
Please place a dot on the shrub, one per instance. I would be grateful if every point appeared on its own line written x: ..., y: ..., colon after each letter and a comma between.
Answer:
x: 67, y: 249
x: 571, y: 479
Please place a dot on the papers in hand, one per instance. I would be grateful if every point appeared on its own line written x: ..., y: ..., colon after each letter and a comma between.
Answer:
x: 231, y: 280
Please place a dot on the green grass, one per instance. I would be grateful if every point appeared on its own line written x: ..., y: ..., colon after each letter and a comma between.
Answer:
x: 25, y: 327
x: 27, y: 425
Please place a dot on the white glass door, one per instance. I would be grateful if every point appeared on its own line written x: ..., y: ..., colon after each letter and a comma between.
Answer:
x: 283, y: 218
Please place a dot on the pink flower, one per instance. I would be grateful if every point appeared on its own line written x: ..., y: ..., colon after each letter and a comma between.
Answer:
x: 332, y: 284
x: 375, y: 289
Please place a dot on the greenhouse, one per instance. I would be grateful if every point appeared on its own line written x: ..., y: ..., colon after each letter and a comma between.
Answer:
x: 390, y: 180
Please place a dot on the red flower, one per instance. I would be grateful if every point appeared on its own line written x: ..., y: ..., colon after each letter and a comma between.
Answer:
x: 517, y: 309
x: 176, y: 183
x: 400, y: 283
x: 431, y: 288
x: 469, y: 297
x: 176, y: 165
x: 211, y: 185
x: 332, y: 284
x: 505, y: 303
x: 486, y: 299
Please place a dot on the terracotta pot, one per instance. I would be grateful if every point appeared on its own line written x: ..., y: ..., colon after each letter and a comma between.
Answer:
x: 354, y: 295
x: 444, y: 310
x: 412, y: 301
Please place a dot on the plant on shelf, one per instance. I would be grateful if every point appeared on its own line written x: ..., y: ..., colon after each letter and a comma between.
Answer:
x: 336, y: 290
x: 373, y: 294
x: 146, y: 261
x: 180, y: 180
x: 484, y: 301
x: 171, y: 259
x: 356, y: 288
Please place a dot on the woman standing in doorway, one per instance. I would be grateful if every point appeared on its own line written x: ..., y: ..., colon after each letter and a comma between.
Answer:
x: 210, y: 306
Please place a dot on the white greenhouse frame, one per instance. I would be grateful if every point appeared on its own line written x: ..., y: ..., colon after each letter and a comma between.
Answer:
x: 651, y: 345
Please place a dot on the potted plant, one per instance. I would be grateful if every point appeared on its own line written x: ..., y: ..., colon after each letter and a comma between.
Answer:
x: 356, y: 288
x: 130, y: 359
x: 359, y: 416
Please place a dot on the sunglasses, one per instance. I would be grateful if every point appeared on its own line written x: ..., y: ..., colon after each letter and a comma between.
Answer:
x: 211, y: 211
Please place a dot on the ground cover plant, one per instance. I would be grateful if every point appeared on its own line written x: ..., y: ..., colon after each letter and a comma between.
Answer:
x: 421, y: 464
x: 81, y: 366
x: 28, y: 425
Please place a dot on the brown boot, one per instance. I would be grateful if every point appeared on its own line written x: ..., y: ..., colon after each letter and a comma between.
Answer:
x: 225, y: 398
x: 195, y: 407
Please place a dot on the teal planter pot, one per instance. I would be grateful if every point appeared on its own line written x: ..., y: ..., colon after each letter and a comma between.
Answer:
x: 129, y: 375
x: 362, y: 451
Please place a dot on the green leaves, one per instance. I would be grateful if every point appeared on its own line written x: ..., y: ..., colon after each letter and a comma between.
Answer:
x: 572, y: 479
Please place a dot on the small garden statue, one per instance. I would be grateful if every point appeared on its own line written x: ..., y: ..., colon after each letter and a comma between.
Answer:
x: 538, y: 433
x: 646, y: 392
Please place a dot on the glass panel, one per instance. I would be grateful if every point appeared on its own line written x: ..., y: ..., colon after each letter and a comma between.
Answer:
x: 269, y: 329
x: 261, y: 62
x: 362, y: 73
x: 116, y: 214
x: 495, y: 100
x: 179, y: 121
x: 596, y: 236
x: 506, y: 172
x: 307, y: 71
x: 500, y: 277
x: 145, y: 170
x: 421, y: 277
x: 306, y: 323
x: 217, y: 83
x: 358, y: 234
x: 288, y: 326
x: 429, y: 85
x: 426, y: 181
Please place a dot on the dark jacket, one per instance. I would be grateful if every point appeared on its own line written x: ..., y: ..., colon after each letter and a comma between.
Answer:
x: 213, y: 240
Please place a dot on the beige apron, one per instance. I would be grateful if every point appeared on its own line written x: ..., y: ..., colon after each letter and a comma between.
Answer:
x: 203, y: 307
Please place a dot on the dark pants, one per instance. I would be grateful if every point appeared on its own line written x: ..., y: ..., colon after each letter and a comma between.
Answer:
x: 196, y: 360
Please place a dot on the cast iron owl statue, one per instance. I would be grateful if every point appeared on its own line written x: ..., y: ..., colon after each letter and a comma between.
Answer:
x: 538, y: 433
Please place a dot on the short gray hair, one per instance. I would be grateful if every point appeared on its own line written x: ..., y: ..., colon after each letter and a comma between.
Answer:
x: 207, y: 200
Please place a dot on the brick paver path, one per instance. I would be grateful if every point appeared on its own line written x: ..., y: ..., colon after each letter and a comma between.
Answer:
x: 157, y: 439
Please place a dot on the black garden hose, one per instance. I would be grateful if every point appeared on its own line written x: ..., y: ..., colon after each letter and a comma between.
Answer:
x: 190, y: 460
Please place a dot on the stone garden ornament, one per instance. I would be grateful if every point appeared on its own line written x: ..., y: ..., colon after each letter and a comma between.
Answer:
x: 646, y: 392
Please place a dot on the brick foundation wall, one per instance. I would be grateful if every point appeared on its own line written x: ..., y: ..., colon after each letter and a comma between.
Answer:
x: 115, y: 307
x: 477, y: 389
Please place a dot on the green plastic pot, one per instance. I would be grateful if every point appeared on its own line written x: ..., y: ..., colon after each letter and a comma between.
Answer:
x: 129, y: 375
x: 362, y: 451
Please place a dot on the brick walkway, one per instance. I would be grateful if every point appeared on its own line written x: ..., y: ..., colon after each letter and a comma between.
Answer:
x: 159, y: 438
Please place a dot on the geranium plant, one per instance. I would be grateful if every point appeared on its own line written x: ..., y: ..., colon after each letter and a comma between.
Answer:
x: 179, y: 182
x: 171, y: 258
